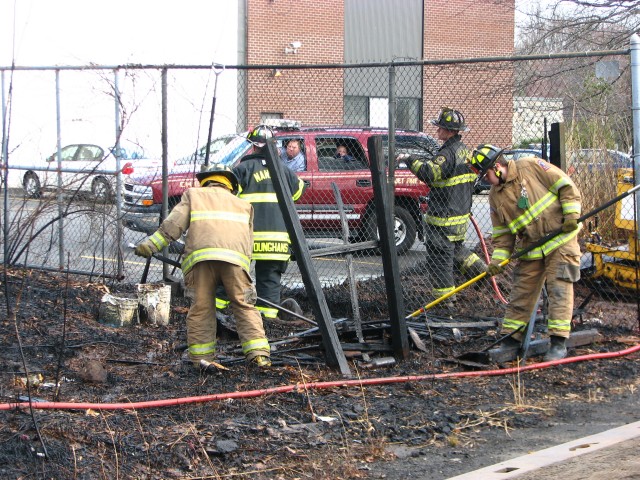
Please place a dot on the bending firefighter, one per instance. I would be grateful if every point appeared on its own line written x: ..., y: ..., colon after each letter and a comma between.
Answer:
x: 217, y: 252
x: 271, y: 242
x: 529, y: 199
x: 449, y: 209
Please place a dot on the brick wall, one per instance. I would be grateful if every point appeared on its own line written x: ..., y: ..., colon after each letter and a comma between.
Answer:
x: 484, y: 93
x: 452, y: 29
x: 310, y: 96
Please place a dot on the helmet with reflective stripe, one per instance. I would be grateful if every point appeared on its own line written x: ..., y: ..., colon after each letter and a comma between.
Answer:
x: 260, y: 135
x: 450, y: 119
x: 483, y: 158
x: 218, y: 172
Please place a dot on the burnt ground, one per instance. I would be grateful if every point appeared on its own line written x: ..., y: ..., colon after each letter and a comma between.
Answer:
x: 420, y: 426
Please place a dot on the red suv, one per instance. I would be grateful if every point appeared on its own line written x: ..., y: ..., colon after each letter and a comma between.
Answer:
x: 316, y: 208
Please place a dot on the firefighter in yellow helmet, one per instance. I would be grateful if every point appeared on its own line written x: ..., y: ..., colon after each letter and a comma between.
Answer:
x: 530, y: 198
x: 217, y: 251
x: 451, y: 183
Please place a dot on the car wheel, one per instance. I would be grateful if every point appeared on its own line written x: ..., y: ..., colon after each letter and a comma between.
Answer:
x: 101, y: 190
x: 404, y: 230
x: 31, y: 185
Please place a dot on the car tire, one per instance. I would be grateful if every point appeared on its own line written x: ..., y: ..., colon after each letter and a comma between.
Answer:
x: 101, y: 190
x: 404, y: 230
x: 31, y: 185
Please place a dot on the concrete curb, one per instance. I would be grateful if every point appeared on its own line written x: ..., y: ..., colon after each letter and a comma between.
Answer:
x: 559, y: 453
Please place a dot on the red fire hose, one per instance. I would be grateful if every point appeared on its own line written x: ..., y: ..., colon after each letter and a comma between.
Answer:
x: 310, y: 386
x: 483, y: 244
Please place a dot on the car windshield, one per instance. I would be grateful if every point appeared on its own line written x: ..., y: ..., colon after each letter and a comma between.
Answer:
x: 221, y: 150
x: 231, y: 152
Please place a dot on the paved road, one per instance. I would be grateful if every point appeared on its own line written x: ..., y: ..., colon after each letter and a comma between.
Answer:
x: 91, y: 243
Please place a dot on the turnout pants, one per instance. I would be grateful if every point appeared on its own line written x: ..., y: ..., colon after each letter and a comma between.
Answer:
x: 443, y: 255
x: 560, y: 269
x: 268, y: 276
x: 201, y: 282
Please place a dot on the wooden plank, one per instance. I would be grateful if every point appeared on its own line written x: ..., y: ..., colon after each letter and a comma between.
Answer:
x: 333, y: 351
x: 343, y: 249
x: 391, y: 270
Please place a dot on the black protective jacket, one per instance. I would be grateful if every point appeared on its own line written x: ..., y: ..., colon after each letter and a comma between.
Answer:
x: 451, y: 183
x: 270, y: 237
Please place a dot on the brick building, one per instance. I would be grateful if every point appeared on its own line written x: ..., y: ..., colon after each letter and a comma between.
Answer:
x: 353, y: 32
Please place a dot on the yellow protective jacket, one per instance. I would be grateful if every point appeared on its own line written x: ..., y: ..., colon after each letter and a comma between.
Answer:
x: 551, y: 196
x: 220, y: 227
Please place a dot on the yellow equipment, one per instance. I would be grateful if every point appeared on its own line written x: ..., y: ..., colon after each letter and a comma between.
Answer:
x: 619, y: 264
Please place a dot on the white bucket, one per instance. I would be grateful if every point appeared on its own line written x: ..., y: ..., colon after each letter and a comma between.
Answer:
x: 155, y: 303
x: 117, y: 311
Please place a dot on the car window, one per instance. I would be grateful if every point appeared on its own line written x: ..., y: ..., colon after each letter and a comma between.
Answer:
x: 89, y: 152
x: 67, y: 154
x: 326, y: 149
x: 518, y: 154
x: 282, y: 142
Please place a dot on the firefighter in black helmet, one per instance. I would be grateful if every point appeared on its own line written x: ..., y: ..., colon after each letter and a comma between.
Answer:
x: 271, y: 242
x: 451, y: 183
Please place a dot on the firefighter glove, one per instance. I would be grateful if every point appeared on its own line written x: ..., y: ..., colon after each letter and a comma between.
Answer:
x: 143, y: 249
x: 494, y: 268
x: 413, y: 163
x: 569, y: 225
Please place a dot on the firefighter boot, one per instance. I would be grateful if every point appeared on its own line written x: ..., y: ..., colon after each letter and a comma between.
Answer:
x: 558, y: 349
x: 260, y: 361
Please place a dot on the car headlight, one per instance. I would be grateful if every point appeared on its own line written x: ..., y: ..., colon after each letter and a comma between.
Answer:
x: 138, y: 194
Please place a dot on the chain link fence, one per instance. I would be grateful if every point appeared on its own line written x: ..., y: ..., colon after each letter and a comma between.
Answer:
x: 56, y: 217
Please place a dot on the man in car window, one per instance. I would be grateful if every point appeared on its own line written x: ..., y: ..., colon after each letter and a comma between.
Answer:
x: 293, y: 157
x: 449, y: 209
x: 343, y: 153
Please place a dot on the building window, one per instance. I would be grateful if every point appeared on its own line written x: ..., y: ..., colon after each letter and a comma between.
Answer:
x: 356, y: 111
x: 374, y: 112
x: 269, y: 115
x: 408, y: 114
